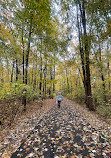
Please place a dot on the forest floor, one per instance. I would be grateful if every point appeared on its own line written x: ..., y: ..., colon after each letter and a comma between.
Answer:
x: 70, y: 131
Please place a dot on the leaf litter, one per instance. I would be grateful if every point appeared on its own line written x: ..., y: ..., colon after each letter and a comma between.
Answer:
x: 11, y: 138
x: 65, y: 132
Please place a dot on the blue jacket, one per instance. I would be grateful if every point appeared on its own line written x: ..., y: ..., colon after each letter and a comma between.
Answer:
x: 59, y: 97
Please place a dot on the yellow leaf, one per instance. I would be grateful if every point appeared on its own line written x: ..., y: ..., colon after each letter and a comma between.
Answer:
x: 60, y: 137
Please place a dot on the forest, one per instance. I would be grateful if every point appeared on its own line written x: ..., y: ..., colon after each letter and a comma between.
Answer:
x: 47, y: 46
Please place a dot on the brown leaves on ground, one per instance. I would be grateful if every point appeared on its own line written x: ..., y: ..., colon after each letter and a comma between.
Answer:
x: 12, y: 136
x: 64, y: 132
x: 93, y: 119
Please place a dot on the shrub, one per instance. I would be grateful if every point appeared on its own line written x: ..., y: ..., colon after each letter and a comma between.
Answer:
x: 10, y: 91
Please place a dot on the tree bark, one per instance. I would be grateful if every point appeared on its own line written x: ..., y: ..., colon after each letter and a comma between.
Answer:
x: 71, y: 83
x: 89, y: 100
x: 35, y: 76
x: 45, y: 73
x: 81, y: 52
x: 54, y: 79
x: 109, y: 85
x: 7, y: 69
x: 51, y: 78
x: 32, y: 74
x: 40, y: 84
x: 16, y: 67
x: 23, y: 58
x: 54, y: 73
x: 12, y: 71
x: 67, y: 80
x: 102, y: 76
x: 28, y: 51
x: 44, y: 82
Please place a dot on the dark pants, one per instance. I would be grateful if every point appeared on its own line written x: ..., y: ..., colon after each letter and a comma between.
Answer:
x: 59, y: 102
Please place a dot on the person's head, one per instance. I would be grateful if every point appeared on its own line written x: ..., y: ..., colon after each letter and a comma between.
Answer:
x: 59, y: 92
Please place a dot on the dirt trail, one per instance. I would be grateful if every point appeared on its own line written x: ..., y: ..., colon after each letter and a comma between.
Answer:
x: 64, y: 132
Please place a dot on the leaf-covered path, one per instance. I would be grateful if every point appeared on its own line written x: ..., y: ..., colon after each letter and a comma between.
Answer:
x: 63, y: 132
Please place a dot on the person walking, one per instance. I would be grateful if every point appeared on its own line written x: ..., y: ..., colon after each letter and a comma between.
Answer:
x: 59, y: 99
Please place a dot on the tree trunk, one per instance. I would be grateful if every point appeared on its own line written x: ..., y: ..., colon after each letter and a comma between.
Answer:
x: 108, y: 66
x: 16, y: 67
x: 67, y: 80
x: 45, y: 73
x: 81, y: 52
x: 28, y: 51
x: 51, y: 78
x: 102, y: 76
x: 24, y: 100
x: 7, y: 69
x: 109, y: 85
x: 35, y: 76
x: 71, y: 83
x: 32, y: 74
x: 12, y: 71
x: 2, y: 80
x: 89, y: 101
x: 54, y: 79
x: 54, y: 73
x: 43, y: 85
x: 23, y: 56
x: 40, y: 84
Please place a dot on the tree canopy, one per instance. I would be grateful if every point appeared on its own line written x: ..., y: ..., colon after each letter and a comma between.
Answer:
x: 50, y: 46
